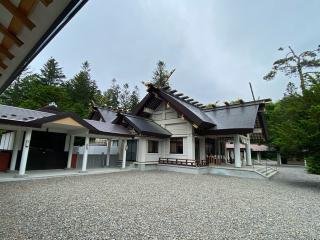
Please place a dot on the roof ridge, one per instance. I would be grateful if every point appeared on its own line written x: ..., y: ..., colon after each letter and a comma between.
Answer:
x: 181, y: 97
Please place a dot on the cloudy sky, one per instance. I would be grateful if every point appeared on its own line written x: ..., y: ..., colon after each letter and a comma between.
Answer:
x: 216, y: 46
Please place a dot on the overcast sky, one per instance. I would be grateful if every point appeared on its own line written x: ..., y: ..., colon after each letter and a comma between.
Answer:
x: 216, y: 46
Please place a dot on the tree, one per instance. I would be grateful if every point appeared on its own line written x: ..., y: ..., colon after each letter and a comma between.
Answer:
x: 134, y: 98
x: 111, y: 96
x: 117, y: 97
x: 294, y: 120
x: 82, y: 91
x: 161, y: 75
x: 304, y: 66
x: 51, y: 73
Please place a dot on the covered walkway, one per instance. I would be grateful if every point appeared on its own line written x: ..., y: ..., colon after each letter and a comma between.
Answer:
x: 44, y: 139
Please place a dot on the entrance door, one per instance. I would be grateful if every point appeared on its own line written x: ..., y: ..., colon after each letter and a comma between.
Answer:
x: 132, y: 150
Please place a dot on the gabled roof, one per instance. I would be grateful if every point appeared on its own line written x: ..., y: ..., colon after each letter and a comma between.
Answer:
x: 109, y: 128
x: 190, y: 111
x: 36, y: 119
x: 239, y: 118
x: 106, y: 114
x: 143, y: 126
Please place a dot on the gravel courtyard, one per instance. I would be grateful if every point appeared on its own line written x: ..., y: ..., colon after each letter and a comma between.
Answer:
x: 162, y: 205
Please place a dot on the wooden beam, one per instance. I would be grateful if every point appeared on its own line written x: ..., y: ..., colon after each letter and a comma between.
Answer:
x: 6, y: 52
x: 46, y: 2
x: 13, y: 37
x: 16, y: 12
x: 2, y: 65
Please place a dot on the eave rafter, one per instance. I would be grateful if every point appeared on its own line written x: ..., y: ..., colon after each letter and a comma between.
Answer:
x: 46, y: 2
x: 16, y: 12
x: 10, y: 35
x: 6, y: 52
x: 2, y: 65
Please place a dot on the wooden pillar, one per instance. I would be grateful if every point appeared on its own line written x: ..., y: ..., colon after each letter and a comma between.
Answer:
x: 25, y: 152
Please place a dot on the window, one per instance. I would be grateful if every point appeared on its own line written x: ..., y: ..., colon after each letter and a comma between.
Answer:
x: 176, y: 145
x: 153, y: 146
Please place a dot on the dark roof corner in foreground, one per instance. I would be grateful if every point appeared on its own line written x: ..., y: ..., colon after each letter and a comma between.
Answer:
x: 142, y: 126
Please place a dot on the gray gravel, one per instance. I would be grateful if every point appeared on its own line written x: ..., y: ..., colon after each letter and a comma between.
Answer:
x: 161, y: 205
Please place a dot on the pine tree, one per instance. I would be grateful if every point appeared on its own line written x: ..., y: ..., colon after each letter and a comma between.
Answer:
x: 304, y: 66
x: 51, y: 73
x: 161, y: 76
x: 111, y: 96
x: 134, y: 98
x: 82, y: 91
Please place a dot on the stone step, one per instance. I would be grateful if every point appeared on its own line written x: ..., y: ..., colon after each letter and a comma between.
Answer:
x: 266, y: 172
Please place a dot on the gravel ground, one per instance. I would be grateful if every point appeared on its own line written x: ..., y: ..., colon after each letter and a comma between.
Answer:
x: 162, y: 205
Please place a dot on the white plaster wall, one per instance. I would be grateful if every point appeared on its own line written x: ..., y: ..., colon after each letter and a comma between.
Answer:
x: 96, y: 149
x: 179, y: 127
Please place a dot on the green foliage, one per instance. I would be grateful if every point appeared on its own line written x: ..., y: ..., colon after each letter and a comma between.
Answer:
x: 123, y: 98
x: 77, y: 95
x: 294, y: 125
x: 82, y: 91
x: 161, y: 76
x: 111, y: 96
x: 51, y: 73
x: 210, y: 106
x: 313, y: 165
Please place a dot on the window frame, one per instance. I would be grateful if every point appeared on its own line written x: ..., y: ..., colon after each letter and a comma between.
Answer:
x: 177, y: 141
x: 154, y: 148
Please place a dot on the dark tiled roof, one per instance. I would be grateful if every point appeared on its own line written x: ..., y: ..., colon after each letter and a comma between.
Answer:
x: 107, y: 114
x: 240, y: 117
x: 146, y: 126
x: 21, y: 114
x: 109, y: 128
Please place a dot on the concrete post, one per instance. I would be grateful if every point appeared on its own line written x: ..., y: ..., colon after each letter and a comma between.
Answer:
x: 108, y: 152
x: 259, y: 157
x: 244, y: 162
x: 278, y: 158
x: 16, y: 145
x: 71, y: 144
x: 85, y: 155
x: 25, y: 152
x: 248, y: 151
x: 191, y: 147
x: 237, y: 158
x: 124, y: 152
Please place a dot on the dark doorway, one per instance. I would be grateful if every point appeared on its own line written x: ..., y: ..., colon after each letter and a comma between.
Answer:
x: 197, y: 148
x: 46, y: 151
x: 132, y: 150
